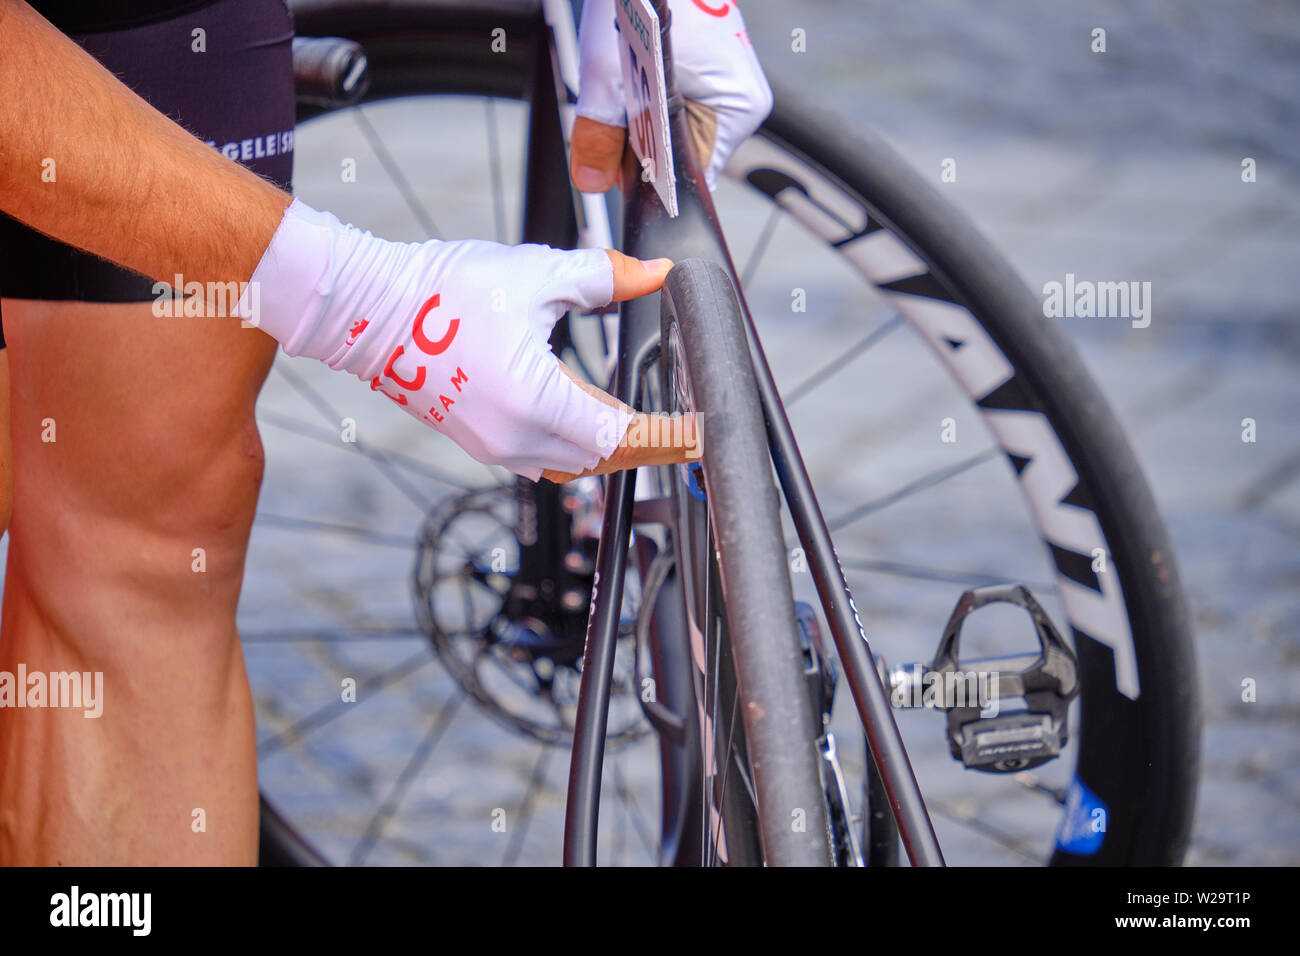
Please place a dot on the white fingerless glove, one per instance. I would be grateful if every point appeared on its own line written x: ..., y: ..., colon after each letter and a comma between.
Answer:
x: 713, y: 62
x: 454, y: 332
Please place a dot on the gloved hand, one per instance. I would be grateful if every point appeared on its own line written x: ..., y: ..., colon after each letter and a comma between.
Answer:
x: 454, y: 332
x: 717, y: 72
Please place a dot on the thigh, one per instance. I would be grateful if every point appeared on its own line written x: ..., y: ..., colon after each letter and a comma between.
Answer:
x: 127, y: 417
x: 123, y: 400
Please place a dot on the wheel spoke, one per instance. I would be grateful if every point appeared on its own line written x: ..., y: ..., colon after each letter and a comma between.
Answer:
x: 375, y: 828
x: 743, y: 774
x: 973, y: 823
x: 392, y: 632
x: 525, y: 812
x: 510, y: 669
x: 633, y: 810
x: 316, y: 399
x: 925, y: 482
x: 467, y: 597
x: 495, y: 533
x: 726, y: 774
x: 922, y: 572
x: 824, y: 373
x: 1030, y: 781
x: 1270, y: 482
x: 471, y: 553
x: 307, y: 430
x: 760, y: 247
x: 709, y: 732
x: 395, y: 174
x: 387, y: 539
x: 713, y: 736
x: 494, y: 166
x: 324, y: 715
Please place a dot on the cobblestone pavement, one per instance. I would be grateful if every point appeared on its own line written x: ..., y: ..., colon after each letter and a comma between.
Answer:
x: 1123, y: 165
x: 1127, y: 165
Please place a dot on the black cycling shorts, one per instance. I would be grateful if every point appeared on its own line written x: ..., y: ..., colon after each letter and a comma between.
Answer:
x: 231, y: 85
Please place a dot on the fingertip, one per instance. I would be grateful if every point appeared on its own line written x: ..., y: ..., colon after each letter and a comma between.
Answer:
x: 637, y: 277
x: 655, y: 272
x: 589, y: 179
x: 596, y: 155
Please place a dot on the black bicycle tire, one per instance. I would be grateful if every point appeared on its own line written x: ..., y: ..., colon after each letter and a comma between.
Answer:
x: 1160, y: 733
x: 699, y: 301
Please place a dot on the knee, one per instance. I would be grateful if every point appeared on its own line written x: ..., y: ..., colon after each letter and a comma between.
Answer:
x: 185, y: 534
x: 182, y: 496
x: 214, y: 493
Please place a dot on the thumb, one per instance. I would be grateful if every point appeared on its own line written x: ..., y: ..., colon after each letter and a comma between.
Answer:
x: 636, y: 277
x: 592, y: 278
x: 596, y: 155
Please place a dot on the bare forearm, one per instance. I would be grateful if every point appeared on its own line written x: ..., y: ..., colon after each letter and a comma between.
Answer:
x: 86, y: 161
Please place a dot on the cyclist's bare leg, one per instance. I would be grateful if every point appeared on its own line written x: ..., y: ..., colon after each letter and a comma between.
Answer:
x: 6, y: 456
x: 137, y: 465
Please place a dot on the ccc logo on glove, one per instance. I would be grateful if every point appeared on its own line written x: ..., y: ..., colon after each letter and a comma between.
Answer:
x: 426, y: 344
x: 721, y: 11
x: 429, y: 347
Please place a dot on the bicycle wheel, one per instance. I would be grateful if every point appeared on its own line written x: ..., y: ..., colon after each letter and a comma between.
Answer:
x: 760, y: 759
x: 1067, y: 470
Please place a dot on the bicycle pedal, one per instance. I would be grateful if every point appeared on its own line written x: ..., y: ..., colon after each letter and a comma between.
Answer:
x: 980, y: 734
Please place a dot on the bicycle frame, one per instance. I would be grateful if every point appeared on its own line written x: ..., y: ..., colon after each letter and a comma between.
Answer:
x: 554, y: 213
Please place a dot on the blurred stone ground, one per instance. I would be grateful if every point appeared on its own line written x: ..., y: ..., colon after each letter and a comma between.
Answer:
x: 1123, y: 165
